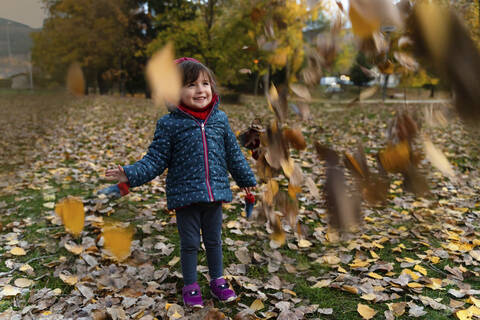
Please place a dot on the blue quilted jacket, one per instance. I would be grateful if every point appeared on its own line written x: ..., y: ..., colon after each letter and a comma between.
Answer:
x: 198, y: 154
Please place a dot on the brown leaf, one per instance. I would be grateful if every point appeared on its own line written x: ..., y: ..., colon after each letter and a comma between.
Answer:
x: 295, y: 138
x: 444, y: 42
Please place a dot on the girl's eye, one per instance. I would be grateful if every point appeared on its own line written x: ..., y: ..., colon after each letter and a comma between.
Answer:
x: 191, y: 85
x: 206, y: 83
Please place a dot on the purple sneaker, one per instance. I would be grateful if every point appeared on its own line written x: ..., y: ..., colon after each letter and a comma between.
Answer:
x: 192, y: 297
x: 221, y: 290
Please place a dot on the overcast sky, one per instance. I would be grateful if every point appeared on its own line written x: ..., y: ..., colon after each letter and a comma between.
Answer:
x: 28, y: 12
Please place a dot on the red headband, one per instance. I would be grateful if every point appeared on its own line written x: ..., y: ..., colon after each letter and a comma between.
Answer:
x: 179, y: 60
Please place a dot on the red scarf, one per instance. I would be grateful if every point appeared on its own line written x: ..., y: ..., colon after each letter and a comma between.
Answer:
x: 201, y: 114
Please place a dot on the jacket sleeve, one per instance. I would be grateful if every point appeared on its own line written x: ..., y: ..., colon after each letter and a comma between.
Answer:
x: 154, y: 162
x: 236, y: 162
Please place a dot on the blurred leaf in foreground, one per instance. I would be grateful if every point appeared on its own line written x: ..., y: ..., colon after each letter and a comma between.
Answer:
x: 72, y: 213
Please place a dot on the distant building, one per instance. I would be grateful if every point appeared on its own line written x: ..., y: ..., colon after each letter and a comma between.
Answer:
x: 15, y: 52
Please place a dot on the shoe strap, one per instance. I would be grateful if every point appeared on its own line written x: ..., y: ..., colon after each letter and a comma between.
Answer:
x: 193, y: 292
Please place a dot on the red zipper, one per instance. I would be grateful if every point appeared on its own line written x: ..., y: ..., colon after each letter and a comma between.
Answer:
x: 205, y: 153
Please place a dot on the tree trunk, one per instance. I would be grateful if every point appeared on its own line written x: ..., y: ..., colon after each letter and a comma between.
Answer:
x: 257, y: 81
x: 102, y: 89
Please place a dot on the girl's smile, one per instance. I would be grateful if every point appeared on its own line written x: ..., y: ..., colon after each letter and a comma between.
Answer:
x: 197, y: 94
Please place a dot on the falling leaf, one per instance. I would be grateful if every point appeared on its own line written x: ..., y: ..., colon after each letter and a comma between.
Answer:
x: 395, y: 158
x: 295, y: 138
x: 368, y: 93
x: 301, y: 91
x: 365, y: 311
x: 164, y: 76
x: 312, y: 188
x: 72, y: 213
x: 437, y: 158
x: 118, y: 240
x: 75, y: 80
x: 17, y: 251
x: 362, y: 16
x: 257, y: 305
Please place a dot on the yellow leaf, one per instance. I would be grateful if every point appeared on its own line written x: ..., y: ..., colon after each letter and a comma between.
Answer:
x: 437, y: 158
x: 10, y: 291
x: 365, y: 311
x: 396, y: 158
x: 118, y: 240
x: 374, y: 255
x: 474, y: 301
x: 26, y: 268
x: 322, y: 283
x: 17, y: 251
x: 75, y: 80
x: 331, y: 259
x: 368, y: 296
x: 359, y: 264
x: 290, y: 292
x: 364, y: 23
x: 468, y: 314
x: 350, y: 289
x: 287, y: 166
x: 46, y: 313
x: 72, y: 213
x: 23, y: 282
x: 164, y: 76
x: 420, y: 269
x: 435, y: 285
x: 304, y: 243
x: 415, y: 285
x: 49, y: 205
x: 412, y: 274
x: 293, y: 190
x: 342, y: 270
x: 74, y: 248
x: 435, y: 260
x: 257, y: 305
x: 375, y: 275
x: 176, y: 315
x: 71, y: 280
x: 174, y: 261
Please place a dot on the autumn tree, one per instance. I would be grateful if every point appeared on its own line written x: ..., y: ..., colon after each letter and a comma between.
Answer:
x: 257, y: 36
x: 96, y: 33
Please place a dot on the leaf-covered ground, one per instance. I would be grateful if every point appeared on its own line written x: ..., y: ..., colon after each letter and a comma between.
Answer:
x: 414, y: 257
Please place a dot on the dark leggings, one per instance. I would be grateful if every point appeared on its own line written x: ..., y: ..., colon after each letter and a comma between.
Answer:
x: 190, y: 220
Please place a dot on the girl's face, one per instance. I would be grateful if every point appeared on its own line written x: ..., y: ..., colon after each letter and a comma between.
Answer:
x: 197, y: 94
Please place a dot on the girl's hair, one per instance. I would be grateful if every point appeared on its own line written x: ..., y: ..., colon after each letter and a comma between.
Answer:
x: 191, y: 70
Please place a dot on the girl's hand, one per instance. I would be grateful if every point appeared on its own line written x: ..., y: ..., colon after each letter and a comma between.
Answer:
x: 116, y: 174
x: 249, y: 189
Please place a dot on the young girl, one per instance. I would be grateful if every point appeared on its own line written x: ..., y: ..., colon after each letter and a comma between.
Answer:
x: 197, y: 145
